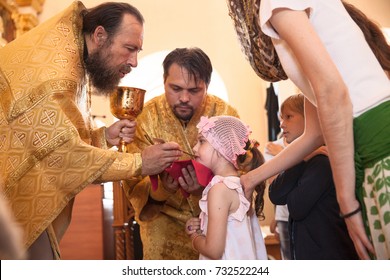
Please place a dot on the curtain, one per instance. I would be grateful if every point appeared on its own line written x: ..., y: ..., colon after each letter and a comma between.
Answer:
x: 272, y: 107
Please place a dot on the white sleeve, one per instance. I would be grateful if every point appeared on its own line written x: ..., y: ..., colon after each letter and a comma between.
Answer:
x: 267, y: 7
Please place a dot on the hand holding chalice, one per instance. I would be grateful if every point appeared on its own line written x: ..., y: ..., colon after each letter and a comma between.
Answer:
x: 126, y: 103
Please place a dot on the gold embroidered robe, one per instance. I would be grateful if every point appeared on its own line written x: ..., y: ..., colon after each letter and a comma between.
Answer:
x: 160, y: 214
x: 46, y: 152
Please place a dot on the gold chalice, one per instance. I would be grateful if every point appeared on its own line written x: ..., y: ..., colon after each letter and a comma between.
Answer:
x: 126, y: 103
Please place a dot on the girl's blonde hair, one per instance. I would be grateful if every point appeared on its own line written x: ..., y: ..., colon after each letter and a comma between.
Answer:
x: 294, y: 103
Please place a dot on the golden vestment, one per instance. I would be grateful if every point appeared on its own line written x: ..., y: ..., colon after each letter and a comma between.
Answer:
x: 46, y: 152
x: 161, y: 214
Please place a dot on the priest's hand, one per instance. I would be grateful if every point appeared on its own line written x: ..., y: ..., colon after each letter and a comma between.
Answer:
x: 122, y: 129
x: 189, y: 181
x: 168, y: 183
x: 156, y: 158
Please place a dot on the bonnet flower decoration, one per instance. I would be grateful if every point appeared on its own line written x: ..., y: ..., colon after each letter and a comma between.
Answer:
x: 205, y: 124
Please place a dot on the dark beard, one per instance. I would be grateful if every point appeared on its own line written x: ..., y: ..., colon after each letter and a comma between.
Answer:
x: 103, y: 78
x: 183, y: 117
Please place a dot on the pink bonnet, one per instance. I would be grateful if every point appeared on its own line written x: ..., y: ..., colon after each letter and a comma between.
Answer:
x: 227, y: 134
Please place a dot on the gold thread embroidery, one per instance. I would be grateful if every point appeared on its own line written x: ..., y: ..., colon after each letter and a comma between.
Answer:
x: 38, y: 155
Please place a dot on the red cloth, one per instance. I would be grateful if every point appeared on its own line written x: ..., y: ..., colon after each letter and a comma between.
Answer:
x: 203, y: 173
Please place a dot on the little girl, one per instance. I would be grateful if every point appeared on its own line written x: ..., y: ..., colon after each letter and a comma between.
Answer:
x: 225, y: 229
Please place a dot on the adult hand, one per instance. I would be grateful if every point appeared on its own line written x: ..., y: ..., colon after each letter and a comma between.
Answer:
x: 247, y: 185
x: 156, y: 158
x: 323, y: 150
x: 189, y: 181
x: 122, y: 129
x: 358, y: 235
x: 273, y: 149
x: 169, y: 184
